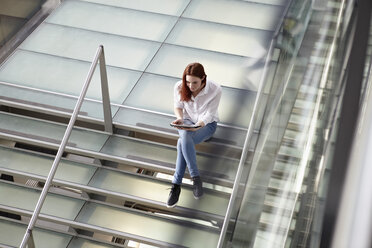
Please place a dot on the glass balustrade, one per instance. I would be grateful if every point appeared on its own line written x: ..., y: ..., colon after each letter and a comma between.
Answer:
x: 288, y: 169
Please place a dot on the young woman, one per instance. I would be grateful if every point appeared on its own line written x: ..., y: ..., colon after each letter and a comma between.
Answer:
x: 196, y: 101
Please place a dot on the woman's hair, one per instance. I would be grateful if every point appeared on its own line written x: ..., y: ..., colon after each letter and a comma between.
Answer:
x: 193, y: 69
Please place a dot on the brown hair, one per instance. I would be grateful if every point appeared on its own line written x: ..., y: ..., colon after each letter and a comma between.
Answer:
x: 193, y: 69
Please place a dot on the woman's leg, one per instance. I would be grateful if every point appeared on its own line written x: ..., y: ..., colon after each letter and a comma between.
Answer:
x: 180, y: 162
x: 188, y: 140
x: 186, y: 155
x: 180, y: 165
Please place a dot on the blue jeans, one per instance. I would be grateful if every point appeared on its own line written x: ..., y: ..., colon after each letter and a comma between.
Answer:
x: 186, y: 154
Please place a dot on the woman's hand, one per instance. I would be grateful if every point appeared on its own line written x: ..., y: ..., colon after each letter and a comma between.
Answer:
x: 178, y: 122
x: 199, y: 123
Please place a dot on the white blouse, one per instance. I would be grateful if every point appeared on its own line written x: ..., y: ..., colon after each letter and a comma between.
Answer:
x: 203, y: 107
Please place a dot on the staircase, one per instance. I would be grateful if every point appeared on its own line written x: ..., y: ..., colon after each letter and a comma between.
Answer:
x: 110, y: 190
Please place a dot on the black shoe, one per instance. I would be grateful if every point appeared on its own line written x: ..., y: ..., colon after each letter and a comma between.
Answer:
x: 173, y: 196
x: 198, y: 187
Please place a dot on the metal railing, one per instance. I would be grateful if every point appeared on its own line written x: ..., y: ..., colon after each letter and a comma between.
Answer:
x: 99, y: 57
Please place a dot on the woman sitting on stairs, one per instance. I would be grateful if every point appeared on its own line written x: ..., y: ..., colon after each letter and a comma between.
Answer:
x: 196, y: 101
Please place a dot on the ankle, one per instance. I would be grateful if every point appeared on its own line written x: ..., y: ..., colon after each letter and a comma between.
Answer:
x: 196, y: 178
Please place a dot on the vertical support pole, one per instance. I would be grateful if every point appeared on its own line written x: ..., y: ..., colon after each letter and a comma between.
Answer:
x: 105, y: 93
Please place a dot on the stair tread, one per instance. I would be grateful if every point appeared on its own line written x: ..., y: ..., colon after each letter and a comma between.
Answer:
x: 63, y: 76
x: 55, y: 205
x: 112, y: 181
x: 126, y: 221
x: 51, y: 132
x: 144, y: 25
x: 11, y: 234
x: 82, y: 44
x: 86, y: 42
x: 140, y: 153
x: 144, y: 121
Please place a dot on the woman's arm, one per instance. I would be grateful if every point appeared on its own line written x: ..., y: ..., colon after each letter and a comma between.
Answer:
x: 212, y: 108
x: 179, y: 115
x: 178, y: 105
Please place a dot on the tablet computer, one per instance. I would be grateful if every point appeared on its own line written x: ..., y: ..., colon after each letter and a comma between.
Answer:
x: 184, y: 125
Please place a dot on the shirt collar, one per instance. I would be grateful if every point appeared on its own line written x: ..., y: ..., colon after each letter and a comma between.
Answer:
x: 205, y: 90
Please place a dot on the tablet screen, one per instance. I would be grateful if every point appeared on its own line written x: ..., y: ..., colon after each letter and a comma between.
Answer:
x: 184, y: 125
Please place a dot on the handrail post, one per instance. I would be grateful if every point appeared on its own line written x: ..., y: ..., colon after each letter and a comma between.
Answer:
x: 62, y: 146
x: 105, y: 93
x: 31, y: 242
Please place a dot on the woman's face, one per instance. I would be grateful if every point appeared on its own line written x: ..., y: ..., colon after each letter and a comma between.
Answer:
x: 194, y: 83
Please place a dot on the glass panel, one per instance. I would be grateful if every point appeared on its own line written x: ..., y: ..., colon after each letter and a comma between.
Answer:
x: 227, y: 70
x: 168, y: 7
x: 268, y: 239
x: 23, y: 198
x: 50, y: 132
x: 291, y: 151
x: 40, y: 165
x: 156, y: 191
x: 245, y: 14
x: 294, y: 135
x: 266, y: 217
x: 11, y: 234
x: 236, y: 106
x: 152, y: 227
x: 82, y: 45
x: 139, y: 24
x: 221, y: 38
x: 65, y: 75
x: 276, y: 200
x: 149, y: 89
x: 165, y: 157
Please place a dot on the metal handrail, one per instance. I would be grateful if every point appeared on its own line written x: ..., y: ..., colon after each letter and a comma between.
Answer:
x: 249, y: 133
x: 108, y: 128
